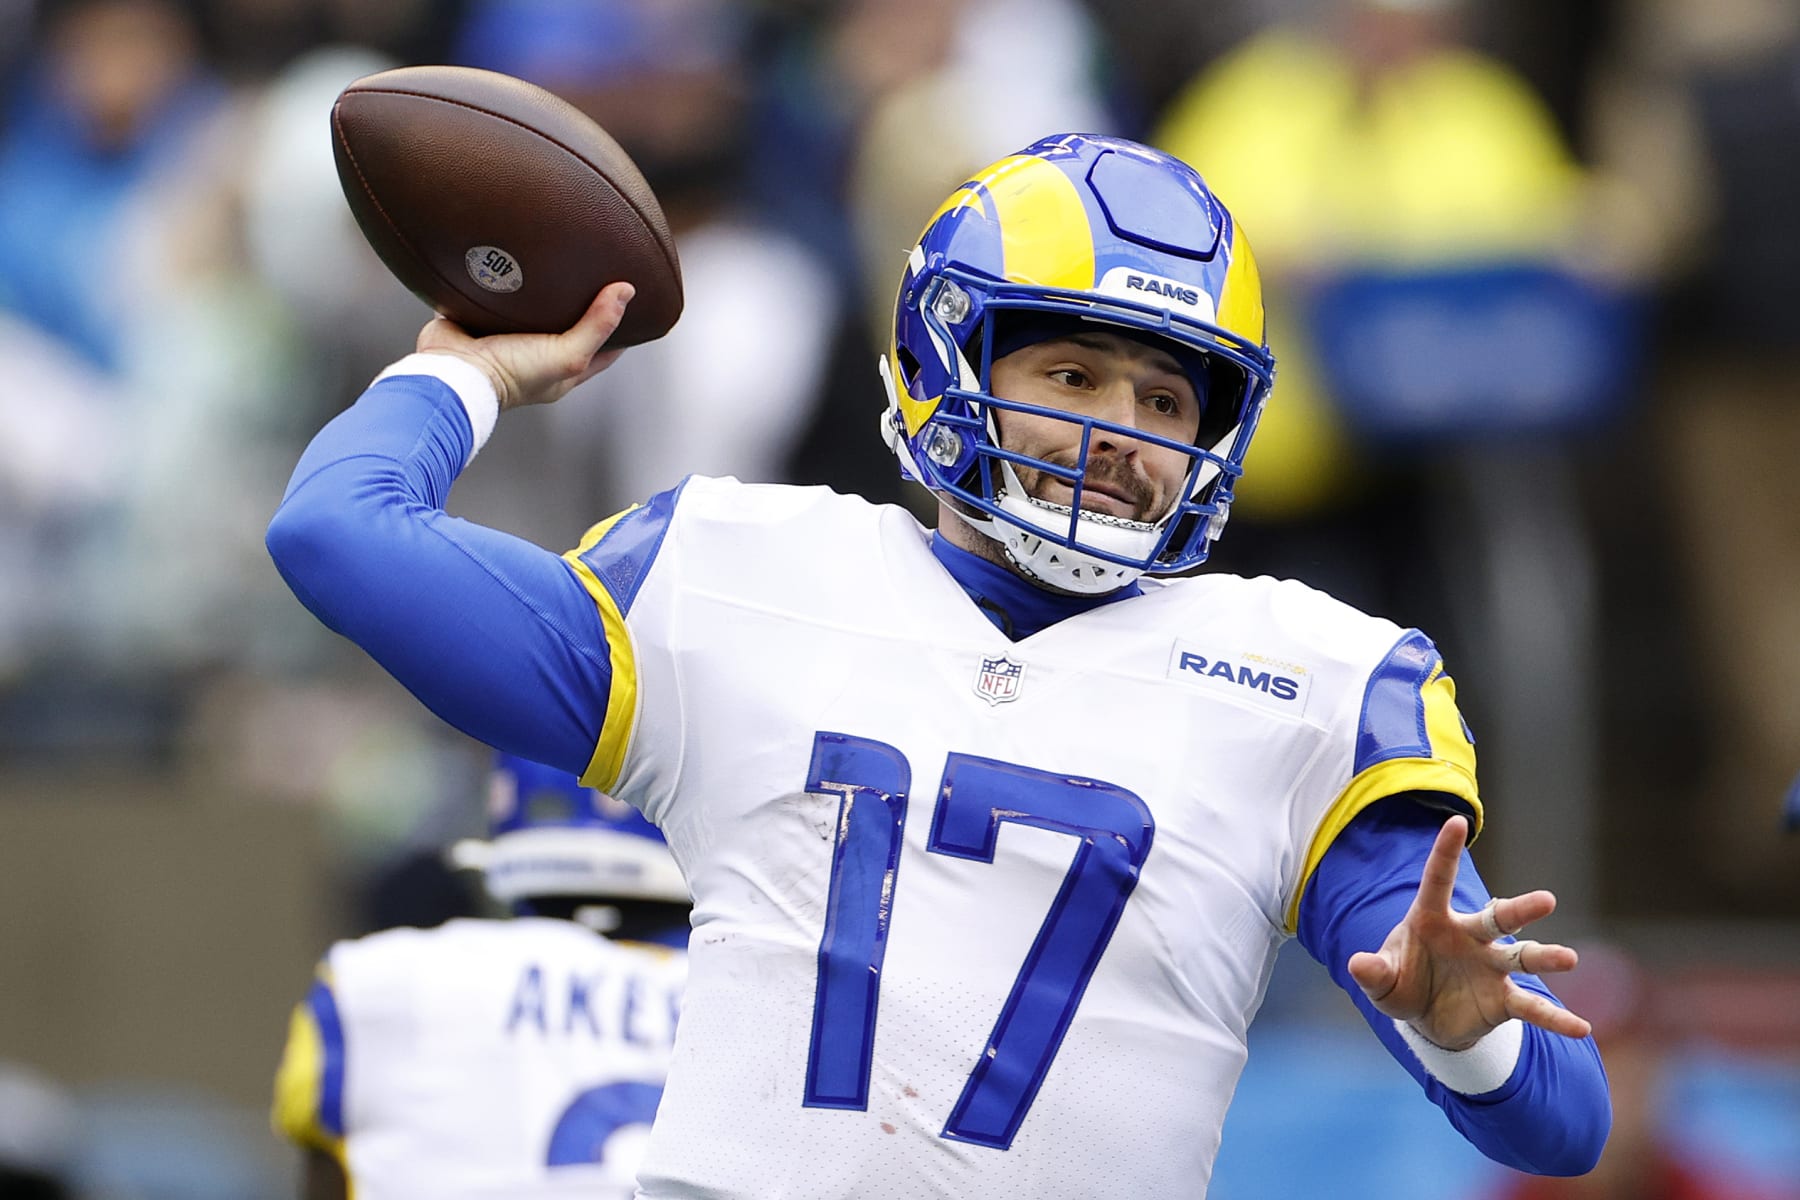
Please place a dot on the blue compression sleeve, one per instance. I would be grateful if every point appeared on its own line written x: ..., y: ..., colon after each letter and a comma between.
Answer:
x: 495, y: 635
x: 1552, y: 1116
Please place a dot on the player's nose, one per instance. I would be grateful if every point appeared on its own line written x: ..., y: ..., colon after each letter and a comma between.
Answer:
x: 1117, y: 404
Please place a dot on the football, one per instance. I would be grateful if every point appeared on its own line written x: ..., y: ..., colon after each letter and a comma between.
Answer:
x: 500, y: 205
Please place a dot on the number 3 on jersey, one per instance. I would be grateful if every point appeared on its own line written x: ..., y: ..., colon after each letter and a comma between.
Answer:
x: 975, y: 797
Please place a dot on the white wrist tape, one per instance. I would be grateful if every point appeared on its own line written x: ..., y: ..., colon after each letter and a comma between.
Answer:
x: 1481, y: 1068
x: 467, y: 380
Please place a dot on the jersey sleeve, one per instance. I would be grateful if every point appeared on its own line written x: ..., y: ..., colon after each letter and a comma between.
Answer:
x: 495, y: 635
x: 612, y: 561
x: 309, y: 1084
x: 1409, y: 739
x: 1551, y: 1116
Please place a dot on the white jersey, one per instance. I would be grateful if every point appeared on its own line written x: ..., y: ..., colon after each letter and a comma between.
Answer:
x: 520, y: 1058
x: 975, y: 917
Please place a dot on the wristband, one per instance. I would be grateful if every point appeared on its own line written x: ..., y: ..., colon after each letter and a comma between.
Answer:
x: 1481, y: 1068
x: 470, y: 383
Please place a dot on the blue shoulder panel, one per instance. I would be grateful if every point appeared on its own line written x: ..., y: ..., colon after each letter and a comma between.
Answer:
x: 331, y: 1076
x: 1393, y: 710
x: 624, y: 554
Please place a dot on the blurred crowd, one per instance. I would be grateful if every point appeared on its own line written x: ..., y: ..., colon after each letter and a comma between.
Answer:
x: 1534, y: 280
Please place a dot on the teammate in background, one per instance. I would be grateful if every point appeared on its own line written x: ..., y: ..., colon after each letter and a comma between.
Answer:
x: 487, y: 1058
x: 993, y: 834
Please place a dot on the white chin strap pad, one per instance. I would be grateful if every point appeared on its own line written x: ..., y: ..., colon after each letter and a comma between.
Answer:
x: 1059, y: 566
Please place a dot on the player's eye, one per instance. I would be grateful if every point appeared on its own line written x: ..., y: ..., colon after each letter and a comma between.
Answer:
x: 1164, y: 404
x: 1070, y: 377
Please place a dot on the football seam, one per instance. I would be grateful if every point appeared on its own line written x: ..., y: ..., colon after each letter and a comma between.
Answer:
x: 667, y: 251
x: 400, y: 238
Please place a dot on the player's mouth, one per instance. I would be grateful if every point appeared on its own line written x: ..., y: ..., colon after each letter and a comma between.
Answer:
x: 1114, y: 498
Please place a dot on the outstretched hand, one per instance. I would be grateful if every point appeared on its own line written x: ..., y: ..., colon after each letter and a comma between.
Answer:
x: 537, y: 368
x: 1446, y: 973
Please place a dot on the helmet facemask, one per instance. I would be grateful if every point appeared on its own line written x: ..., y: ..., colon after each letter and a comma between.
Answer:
x: 959, y: 454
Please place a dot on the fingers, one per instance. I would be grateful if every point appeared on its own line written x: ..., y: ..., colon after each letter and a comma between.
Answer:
x: 1438, y: 879
x: 1504, y: 916
x: 584, y: 339
x: 1374, y: 974
x: 1534, y: 958
x: 1539, y: 1010
x: 1491, y: 930
x: 441, y: 333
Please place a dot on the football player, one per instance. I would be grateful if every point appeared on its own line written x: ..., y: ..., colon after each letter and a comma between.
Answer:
x: 993, y: 832
x: 521, y: 1057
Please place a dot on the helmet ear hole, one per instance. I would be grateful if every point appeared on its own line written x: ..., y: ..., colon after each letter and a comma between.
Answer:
x: 909, y: 366
x: 1228, y: 389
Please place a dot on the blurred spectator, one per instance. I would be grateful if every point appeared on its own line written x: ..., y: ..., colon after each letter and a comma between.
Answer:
x: 1011, y: 72
x: 57, y: 466
x: 1374, y: 139
x: 1730, y: 420
x: 119, y: 172
x: 911, y: 94
x: 730, y: 388
x: 114, y: 95
x: 216, y: 389
x: 1155, y: 47
x: 1451, y: 305
x: 157, y: 178
x: 299, y: 235
x: 896, y: 103
x: 255, y: 40
x: 828, y: 64
x: 1697, y: 107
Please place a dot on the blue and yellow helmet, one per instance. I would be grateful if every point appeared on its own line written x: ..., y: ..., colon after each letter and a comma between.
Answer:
x: 1072, y: 229
x: 550, y: 836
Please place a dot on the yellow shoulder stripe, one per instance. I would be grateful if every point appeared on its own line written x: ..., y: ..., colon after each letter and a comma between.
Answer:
x: 604, y: 767
x: 299, y: 1083
x: 1384, y: 779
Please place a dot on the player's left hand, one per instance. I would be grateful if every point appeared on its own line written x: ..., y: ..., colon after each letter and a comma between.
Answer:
x: 1447, y: 974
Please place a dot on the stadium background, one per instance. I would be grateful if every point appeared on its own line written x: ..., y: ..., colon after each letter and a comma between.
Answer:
x: 1533, y: 272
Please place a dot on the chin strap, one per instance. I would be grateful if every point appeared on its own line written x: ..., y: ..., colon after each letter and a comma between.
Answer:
x: 1058, y: 567
x: 893, y: 425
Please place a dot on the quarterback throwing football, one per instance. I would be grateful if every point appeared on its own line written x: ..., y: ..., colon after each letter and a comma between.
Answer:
x: 993, y: 833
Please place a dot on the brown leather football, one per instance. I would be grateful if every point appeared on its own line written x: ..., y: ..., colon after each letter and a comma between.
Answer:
x: 503, y: 207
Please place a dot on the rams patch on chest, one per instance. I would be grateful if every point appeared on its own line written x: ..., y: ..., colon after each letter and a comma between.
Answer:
x: 1257, y: 678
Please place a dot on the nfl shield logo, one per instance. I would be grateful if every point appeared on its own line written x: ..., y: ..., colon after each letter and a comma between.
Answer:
x: 998, y: 681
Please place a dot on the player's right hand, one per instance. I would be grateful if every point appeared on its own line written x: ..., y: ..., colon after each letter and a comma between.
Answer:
x: 537, y: 368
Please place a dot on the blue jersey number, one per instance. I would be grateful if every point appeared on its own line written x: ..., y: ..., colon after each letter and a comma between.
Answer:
x: 872, y: 780
x: 580, y: 1134
x: 975, y: 797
